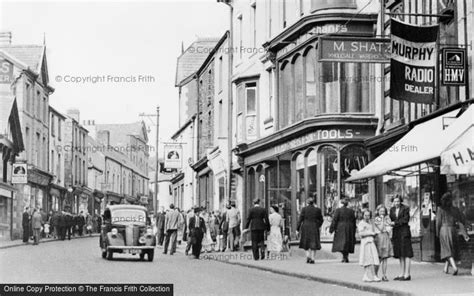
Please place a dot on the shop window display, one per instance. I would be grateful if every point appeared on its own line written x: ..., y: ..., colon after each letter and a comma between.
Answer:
x: 329, y: 172
x: 462, y: 189
x: 353, y: 159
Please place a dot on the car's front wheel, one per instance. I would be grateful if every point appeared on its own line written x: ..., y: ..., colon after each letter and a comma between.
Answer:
x: 151, y: 254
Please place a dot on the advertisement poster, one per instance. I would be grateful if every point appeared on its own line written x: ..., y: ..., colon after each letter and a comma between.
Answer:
x: 412, y: 64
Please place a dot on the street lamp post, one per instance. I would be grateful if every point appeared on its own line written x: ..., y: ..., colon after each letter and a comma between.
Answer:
x: 157, y: 161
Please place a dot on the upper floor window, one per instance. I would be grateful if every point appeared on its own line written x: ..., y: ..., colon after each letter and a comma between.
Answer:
x: 52, y: 126
x: 325, y: 4
x: 247, y: 111
x: 308, y: 88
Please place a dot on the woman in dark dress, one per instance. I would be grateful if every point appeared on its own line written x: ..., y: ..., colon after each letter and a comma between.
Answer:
x: 446, y: 219
x: 344, y: 226
x: 309, y: 223
x: 401, y: 237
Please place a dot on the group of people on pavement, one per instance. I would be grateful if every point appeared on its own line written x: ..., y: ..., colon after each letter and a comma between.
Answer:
x: 386, y: 235
x: 38, y: 224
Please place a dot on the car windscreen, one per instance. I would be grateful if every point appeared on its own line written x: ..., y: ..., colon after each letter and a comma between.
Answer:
x: 128, y: 216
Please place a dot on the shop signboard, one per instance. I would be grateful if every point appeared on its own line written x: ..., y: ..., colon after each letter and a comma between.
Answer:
x: 413, y: 60
x: 354, y: 49
x: 6, y: 72
x: 19, y: 173
x: 173, y: 156
x: 459, y: 158
x: 454, y: 66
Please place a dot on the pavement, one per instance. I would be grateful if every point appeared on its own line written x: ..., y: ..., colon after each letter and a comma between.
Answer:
x: 427, y: 278
x: 5, y: 244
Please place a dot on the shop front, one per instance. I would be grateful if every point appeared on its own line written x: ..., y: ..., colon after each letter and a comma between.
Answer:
x: 205, y: 184
x: 313, y: 160
x: 434, y: 157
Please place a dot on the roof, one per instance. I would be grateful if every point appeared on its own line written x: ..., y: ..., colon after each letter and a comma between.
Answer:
x: 6, y: 105
x: 119, y: 132
x: 9, y: 119
x: 31, y: 55
x: 191, y: 60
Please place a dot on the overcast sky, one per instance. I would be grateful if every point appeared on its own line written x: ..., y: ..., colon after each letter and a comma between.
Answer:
x: 116, y: 38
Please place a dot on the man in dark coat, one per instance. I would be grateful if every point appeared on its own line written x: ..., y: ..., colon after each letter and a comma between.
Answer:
x: 61, y: 225
x: 160, y: 225
x: 69, y: 219
x: 197, y: 228
x: 258, y: 221
x: 25, y: 223
x: 309, y: 223
x: 344, y: 226
x: 80, y: 222
x: 55, y: 224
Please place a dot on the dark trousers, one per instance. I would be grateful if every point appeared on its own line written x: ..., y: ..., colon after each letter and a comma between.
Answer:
x: 26, y: 234
x: 69, y: 231
x: 80, y: 229
x: 171, y: 236
x: 258, y: 242
x: 62, y: 232
x: 161, y: 236
x: 197, y: 248
x: 189, y: 244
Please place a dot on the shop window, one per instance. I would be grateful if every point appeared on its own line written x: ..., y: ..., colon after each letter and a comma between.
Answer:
x: 353, y: 159
x: 462, y: 189
x: 3, y: 210
x: 300, y: 182
x: 329, y: 176
x: 312, y: 163
x: 221, y: 183
x: 251, y: 184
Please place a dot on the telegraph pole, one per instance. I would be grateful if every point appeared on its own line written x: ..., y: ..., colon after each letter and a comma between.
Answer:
x: 157, y: 161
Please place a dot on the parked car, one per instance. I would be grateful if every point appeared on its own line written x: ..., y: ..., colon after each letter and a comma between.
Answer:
x: 124, y: 230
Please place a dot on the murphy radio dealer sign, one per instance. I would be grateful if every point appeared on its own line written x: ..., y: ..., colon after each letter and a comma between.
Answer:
x: 413, y: 61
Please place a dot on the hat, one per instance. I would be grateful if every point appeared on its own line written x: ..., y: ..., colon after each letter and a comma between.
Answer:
x: 256, y: 201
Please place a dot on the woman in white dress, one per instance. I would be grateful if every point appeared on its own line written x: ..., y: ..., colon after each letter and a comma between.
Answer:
x: 275, y: 239
x: 207, y: 239
x: 368, y: 257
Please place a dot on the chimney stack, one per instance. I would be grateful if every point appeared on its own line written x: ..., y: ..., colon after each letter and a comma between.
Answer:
x: 74, y: 114
x: 5, y: 38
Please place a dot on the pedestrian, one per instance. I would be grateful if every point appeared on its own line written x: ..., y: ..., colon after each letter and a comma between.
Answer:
x: 216, y: 232
x: 44, y: 219
x: 80, y: 222
x: 98, y: 220
x: 257, y: 220
x: 197, y: 229
x: 89, y: 223
x: 189, y: 215
x: 275, y: 239
x: 448, y: 216
x: 36, y: 221
x: 382, y: 238
x: 310, y: 221
x: 25, y: 223
x: 173, y: 221
x: 180, y: 234
x: 54, y: 224
x: 401, y: 237
x: 224, y: 228
x: 368, y: 256
x: 160, y: 225
x: 69, y: 222
x: 62, y: 225
x: 343, y: 226
x: 233, y: 220
x: 207, y: 239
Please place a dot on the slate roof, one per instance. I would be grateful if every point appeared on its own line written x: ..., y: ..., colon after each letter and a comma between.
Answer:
x: 31, y: 55
x: 119, y: 132
x: 193, y: 57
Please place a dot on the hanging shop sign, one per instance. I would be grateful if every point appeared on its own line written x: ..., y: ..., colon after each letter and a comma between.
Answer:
x: 453, y: 66
x: 413, y: 61
x: 6, y: 72
x: 19, y: 173
x: 354, y: 49
x: 173, y: 156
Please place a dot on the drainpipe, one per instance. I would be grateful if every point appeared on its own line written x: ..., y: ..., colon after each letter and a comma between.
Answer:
x: 230, y: 91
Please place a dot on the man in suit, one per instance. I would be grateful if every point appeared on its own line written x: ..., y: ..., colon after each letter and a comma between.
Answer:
x: 233, y: 220
x: 189, y: 215
x: 36, y: 224
x: 173, y: 221
x: 197, y: 228
x: 25, y: 223
x: 160, y: 226
x: 258, y: 221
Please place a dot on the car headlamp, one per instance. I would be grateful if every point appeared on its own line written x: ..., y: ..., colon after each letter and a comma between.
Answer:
x: 149, y: 231
x: 114, y: 231
x: 142, y: 240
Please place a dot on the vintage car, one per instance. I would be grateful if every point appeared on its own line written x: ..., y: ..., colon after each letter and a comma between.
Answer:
x: 125, y: 230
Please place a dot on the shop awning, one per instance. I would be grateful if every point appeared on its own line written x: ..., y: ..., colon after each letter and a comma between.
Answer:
x: 424, y: 142
x: 458, y: 157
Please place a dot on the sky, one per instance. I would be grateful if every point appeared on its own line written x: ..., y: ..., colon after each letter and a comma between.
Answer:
x: 113, y: 60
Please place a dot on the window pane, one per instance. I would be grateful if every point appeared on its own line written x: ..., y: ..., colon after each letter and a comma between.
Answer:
x: 310, y: 63
x: 299, y: 96
x: 329, y: 171
x: 353, y: 159
x: 251, y: 96
x: 240, y: 99
x: 331, y: 87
